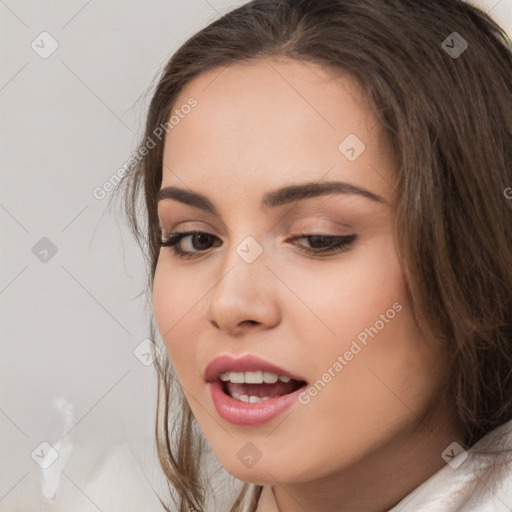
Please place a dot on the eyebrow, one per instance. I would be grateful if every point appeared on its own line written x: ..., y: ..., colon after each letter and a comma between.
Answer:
x: 274, y: 198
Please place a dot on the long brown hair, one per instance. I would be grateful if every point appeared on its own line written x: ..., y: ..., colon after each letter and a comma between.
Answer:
x: 447, y: 112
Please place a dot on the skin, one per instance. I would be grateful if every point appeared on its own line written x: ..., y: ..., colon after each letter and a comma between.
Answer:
x: 359, y: 444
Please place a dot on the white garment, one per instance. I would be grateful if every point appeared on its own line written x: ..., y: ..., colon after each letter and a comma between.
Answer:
x: 471, y: 487
x: 475, y: 486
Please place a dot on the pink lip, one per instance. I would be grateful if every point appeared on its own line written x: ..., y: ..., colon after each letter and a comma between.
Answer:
x: 242, y: 413
x: 251, y: 415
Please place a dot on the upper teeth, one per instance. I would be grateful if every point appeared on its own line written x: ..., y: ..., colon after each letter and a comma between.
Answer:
x: 252, y: 377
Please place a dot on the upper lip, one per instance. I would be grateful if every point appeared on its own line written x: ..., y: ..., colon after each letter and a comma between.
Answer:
x: 246, y: 363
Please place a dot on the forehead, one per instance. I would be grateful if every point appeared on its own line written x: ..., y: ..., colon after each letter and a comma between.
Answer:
x: 272, y: 121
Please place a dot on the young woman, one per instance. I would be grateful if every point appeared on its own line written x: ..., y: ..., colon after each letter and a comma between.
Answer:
x: 328, y: 220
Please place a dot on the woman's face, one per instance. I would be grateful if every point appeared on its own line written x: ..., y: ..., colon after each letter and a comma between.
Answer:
x: 338, y: 322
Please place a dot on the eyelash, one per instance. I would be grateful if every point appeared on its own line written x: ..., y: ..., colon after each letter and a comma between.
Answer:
x: 341, y: 243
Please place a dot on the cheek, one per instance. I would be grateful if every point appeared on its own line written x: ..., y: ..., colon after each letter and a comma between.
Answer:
x: 176, y: 304
x: 342, y: 299
x: 360, y: 327
x: 379, y: 387
x: 378, y: 370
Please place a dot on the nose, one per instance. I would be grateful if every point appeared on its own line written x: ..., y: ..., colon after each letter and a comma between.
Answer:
x: 244, y: 296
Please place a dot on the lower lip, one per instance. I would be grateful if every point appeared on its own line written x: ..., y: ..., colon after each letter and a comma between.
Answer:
x: 251, y: 415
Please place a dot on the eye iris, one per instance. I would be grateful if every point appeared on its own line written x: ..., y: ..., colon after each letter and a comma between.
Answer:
x: 316, y: 241
x: 202, y: 238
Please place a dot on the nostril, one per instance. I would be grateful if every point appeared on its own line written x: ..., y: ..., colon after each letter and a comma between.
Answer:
x: 243, y: 323
x: 251, y: 322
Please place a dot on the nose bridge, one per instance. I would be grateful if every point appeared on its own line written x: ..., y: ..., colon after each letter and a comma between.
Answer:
x: 242, y: 271
x: 243, y: 291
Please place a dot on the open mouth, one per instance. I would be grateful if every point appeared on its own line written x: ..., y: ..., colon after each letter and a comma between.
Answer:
x: 253, y: 387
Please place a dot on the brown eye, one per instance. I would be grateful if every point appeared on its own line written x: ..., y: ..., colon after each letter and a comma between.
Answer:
x: 325, y: 244
x: 197, y: 241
